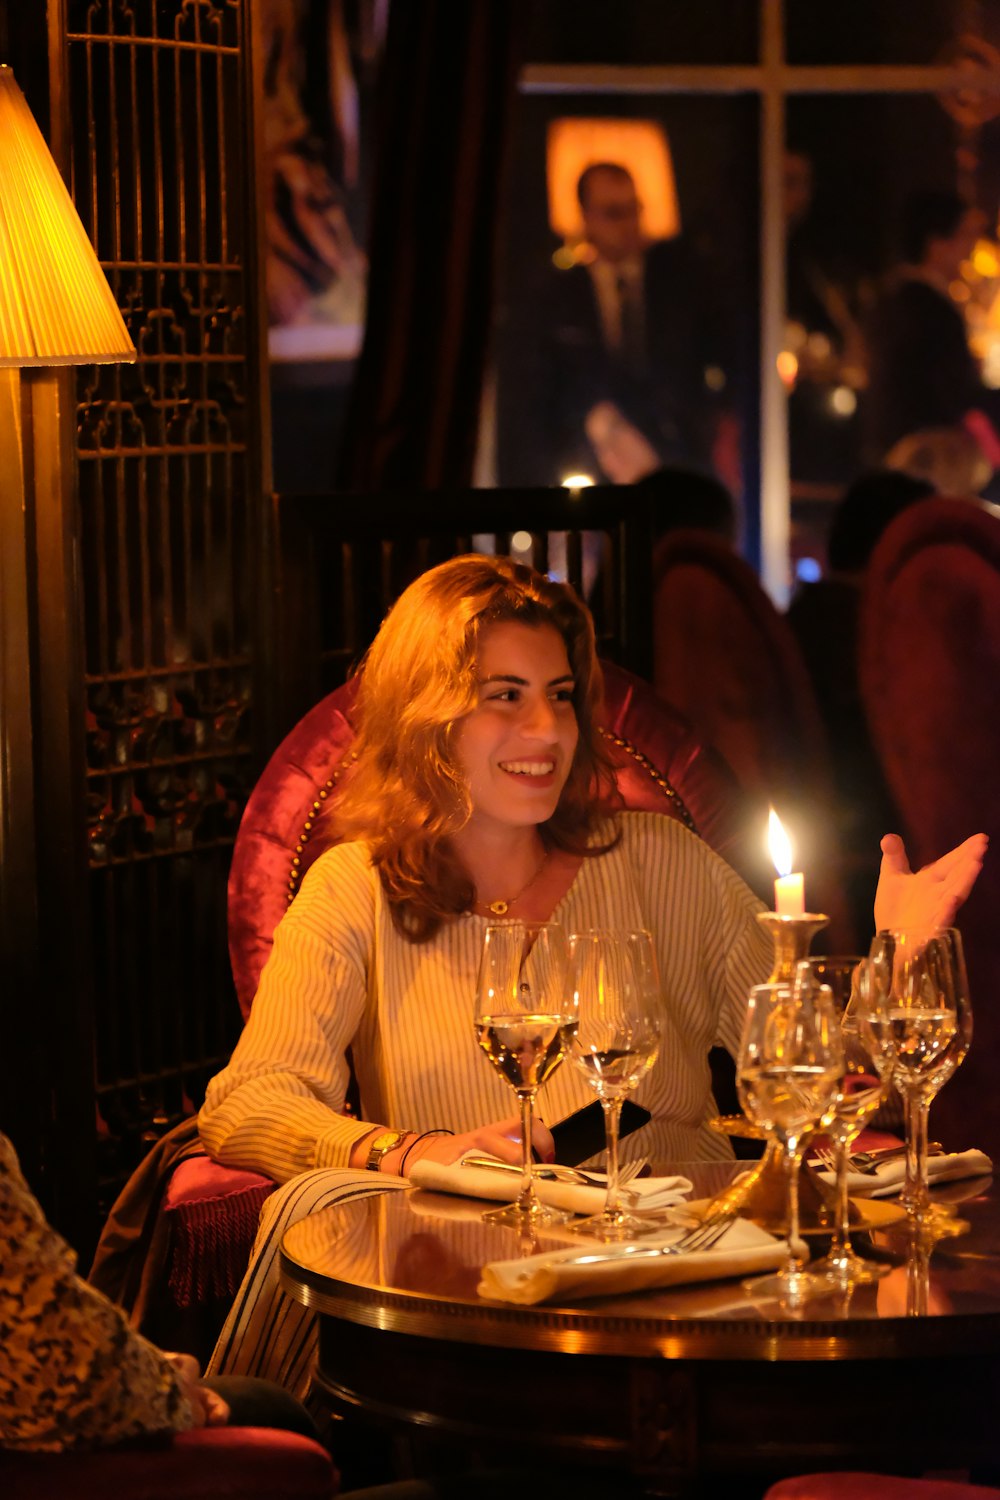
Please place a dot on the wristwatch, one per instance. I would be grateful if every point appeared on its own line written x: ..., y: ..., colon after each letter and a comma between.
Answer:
x: 384, y: 1142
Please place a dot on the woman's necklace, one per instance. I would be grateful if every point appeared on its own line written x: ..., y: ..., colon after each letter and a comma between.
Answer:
x: 500, y: 908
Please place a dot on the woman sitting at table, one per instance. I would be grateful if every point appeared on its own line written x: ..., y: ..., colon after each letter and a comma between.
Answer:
x: 481, y: 787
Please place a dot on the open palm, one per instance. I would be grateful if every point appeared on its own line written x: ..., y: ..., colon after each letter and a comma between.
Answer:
x: 928, y: 898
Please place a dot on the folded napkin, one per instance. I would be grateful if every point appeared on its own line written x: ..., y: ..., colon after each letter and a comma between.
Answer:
x: 891, y: 1175
x: 503, y: 1187
x: 742, y: 1250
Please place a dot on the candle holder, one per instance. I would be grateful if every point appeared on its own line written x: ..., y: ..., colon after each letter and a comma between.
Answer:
x: 760, y: 1194
x: 791, y: 937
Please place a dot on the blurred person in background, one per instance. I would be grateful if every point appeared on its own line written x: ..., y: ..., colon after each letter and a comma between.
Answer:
x: 606, y: 363
x: 922, y: 373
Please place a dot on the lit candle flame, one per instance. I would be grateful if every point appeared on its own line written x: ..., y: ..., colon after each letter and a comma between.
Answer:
x: 779, y: 845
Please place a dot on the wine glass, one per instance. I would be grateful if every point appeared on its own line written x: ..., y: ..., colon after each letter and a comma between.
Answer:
x: 614, y: 1042
x: 861, y: 1091
x: 920, y: 1018
x: 522, y: 1015
x: 788, y: 1075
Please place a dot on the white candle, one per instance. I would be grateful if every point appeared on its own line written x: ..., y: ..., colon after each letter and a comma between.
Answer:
x: 790, y: 895
x: 790, y: 886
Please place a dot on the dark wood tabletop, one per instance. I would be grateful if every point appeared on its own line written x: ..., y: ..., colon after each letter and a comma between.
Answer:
x: 673, y: 1383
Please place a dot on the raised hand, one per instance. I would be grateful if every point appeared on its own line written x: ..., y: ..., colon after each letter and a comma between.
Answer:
x: 928, y: 898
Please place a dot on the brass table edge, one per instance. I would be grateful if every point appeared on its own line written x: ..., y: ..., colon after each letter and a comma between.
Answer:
x: 556, y: 1329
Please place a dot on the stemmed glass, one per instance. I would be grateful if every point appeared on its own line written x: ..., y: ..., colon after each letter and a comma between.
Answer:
x: 614, y: 1042
x: 522, y: 1016
x: 920, y: 1019
x: 791, y: 1061
x: 859, y: 1095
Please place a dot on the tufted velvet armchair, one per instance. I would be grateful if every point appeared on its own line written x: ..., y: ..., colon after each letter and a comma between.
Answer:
x: 930, y: 680
x: 727, y: 659
x: 209, y: 1211
x: 215, y: 1463
x: 875, y: 1487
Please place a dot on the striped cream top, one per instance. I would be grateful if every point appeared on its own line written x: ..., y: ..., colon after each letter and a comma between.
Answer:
x: 341, y: 976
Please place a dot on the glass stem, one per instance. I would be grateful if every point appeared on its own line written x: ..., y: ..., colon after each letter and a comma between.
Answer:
x: 525, y: 1197
x: 612, y: 1116
x: 915, y: 1194
x: 840, y: 1250
x: 797, y: 1252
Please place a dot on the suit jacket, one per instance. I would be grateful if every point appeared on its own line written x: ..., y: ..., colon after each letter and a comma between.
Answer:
x: 555, y: 366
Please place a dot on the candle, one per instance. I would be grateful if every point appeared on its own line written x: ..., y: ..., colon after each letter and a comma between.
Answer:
x: 789, y: 887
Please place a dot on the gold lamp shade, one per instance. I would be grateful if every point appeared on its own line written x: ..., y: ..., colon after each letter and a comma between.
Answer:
x: 56, y: 307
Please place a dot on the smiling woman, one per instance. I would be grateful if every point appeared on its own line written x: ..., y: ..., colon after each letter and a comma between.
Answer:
x: 480, y: 786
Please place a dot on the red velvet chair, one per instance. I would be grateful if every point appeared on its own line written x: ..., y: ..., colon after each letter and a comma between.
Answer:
x: 930, y: 678
x: 727, y: 659
x: 875, y: 1487
x: 219, y: 1463
x: 210, y: 1211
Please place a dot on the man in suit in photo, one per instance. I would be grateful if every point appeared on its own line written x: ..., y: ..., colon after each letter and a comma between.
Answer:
x: 616, y: 344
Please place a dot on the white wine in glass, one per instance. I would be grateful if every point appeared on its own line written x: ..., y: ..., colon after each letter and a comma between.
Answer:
x: 788, y: 1074
x: 614, y: 1043
x: 859, y: 1096
x: 522, y: 1020
x: 920, y: 1019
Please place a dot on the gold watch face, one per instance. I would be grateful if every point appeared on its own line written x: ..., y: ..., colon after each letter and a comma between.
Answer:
x: 382, y: 1144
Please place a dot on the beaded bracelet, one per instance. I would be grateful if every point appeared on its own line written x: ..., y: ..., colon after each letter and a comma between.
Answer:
x: 416, y: 1139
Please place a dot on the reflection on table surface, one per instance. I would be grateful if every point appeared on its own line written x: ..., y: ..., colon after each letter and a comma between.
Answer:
x: 416, y: 1245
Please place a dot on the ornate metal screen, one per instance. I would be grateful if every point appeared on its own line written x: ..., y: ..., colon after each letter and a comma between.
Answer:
x: 169, y: 509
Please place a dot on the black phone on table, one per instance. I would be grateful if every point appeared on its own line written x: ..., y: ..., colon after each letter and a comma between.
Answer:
x: 581, y: 1135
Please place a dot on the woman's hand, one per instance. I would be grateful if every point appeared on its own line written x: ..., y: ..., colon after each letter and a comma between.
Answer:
x: 929, y: 898
x: 502, y: 1138
x: 208, y: 1409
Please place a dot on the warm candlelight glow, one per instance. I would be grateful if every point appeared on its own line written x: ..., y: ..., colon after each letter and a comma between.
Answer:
x: 789, y: 888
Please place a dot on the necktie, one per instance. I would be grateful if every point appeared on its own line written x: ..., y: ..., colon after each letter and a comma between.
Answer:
x: 633, y: 341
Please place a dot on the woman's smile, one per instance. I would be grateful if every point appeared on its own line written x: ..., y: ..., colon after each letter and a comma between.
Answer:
x: 516, y: 747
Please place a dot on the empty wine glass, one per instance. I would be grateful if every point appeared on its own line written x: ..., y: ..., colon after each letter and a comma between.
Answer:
x: 920, y: 1019
x: 614, y: 1042
x: 522, y: 1014
x: 859, y: 1095
x: 788, y: 1075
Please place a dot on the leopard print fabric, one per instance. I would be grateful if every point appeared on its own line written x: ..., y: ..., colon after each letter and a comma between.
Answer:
x: 73, y: 1374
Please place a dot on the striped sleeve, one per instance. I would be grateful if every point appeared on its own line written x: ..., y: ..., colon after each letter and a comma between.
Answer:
x: 275, y: 1108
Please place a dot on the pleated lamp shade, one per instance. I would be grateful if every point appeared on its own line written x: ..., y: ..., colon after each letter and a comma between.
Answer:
x: 56, y: 307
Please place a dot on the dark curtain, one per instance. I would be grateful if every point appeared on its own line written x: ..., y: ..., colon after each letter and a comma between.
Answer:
x: 446, y: 96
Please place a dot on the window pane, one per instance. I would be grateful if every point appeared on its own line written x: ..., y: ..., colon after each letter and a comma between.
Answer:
x: 886, y: 31
x: 643, y: 31
x: 872, y: 370
x: 635, y: 345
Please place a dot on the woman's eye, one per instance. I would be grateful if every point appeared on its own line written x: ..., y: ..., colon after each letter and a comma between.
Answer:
x: 563, y: 695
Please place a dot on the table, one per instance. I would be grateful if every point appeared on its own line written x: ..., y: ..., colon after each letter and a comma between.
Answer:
x: 670, y: 1386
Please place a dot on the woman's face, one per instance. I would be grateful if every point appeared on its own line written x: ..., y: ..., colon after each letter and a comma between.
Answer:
x: 516, y: 747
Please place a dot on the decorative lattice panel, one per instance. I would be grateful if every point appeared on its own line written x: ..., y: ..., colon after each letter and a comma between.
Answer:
x: 168, y: 516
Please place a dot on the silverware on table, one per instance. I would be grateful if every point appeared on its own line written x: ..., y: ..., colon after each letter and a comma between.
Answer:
x: 573, y: 1176
x: 868, y: 1162
x: 701, y: 1236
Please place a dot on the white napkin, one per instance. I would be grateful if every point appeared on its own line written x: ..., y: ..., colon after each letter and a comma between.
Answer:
x: 503, y: 1187
x: 744, y: 1249
x: 891, y: 1175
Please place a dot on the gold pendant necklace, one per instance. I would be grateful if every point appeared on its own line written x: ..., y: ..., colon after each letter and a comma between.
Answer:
x: 500, y: 908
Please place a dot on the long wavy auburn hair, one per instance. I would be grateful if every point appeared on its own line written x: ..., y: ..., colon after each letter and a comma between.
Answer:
x: 406, y: 794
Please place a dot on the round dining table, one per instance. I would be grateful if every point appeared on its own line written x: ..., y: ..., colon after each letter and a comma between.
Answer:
x: 675, y: 1386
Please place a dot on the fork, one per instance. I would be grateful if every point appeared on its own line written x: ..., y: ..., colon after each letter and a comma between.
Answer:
x: 868, y: 1162
x: 700, y: 1236
x: 556, y: 1172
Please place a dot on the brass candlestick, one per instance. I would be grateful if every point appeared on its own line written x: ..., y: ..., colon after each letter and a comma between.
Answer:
x: 761, y: 1194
